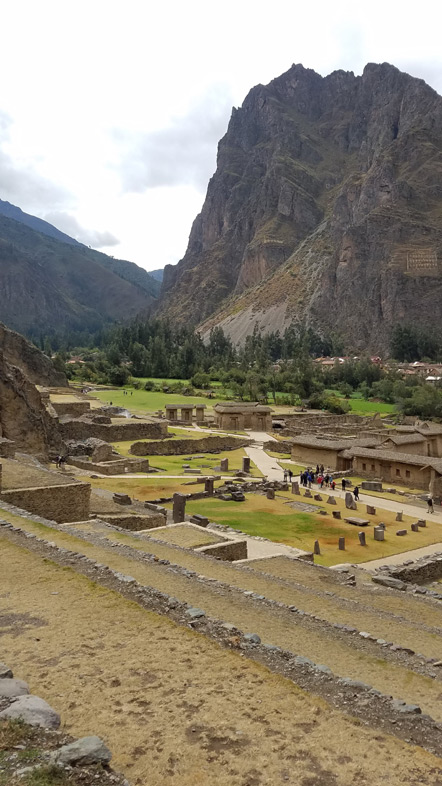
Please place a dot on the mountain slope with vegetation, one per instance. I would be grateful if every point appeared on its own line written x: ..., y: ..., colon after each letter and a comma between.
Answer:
x: 324, y: 210
x: 47, y: 285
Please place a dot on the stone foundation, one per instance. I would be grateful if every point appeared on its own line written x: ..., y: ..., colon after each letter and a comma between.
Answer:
x: 229, y: 551
x: 182, y: 447
x: 133, y: 521
x: 60, y: 503
x: 74, y: 408
x: 117, y: 467
x: 113, y: 432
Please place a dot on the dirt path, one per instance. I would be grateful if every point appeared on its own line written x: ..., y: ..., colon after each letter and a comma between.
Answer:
x: 173, y: 706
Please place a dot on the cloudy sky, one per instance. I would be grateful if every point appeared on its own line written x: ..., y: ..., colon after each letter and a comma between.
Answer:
x: 110, y: 112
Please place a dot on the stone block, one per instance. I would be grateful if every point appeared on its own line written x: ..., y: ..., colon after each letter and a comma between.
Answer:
x: 316, y: 549
x: 371, y: 485
x: 399, y: 515
x: 336, y: 514
x: 270, y: 494
x: 341, y: 544
x: 179, y: 508
x: 295, y: 487
x: 422, y: 523
x: 308, y: 493
x: 357, y: 522
x: 389, y: 581
x: 317, y: 497
x: 381, y: 525
x: 224, y: 464
x: 246, y: 464
x: 331, y: 501
x: 415, y: 527
x: 122, y: 499
x: 209, y: 486
x: 379, y: 533
x: 370, y: 510
x: 401, y: 532
x: 202, y: 521
x: 238, y: 496
x: 349, y: 501
x: 361, y: 536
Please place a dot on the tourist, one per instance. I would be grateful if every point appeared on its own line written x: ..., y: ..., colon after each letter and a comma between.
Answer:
x: 317, y: 469
x: 321, y: 469
x: 343, y: 484
x: 333, y: 485
x: 430, y: 507
x: 290, y: 475
x: 285, y: 476
x: 356, y: 493
x: 310, y: 481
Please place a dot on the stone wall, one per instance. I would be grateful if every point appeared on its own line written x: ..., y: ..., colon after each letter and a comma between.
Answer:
x: 178, y: 447
x: 114, y: 432
x: 135, y: 522
x: 418, y: 477
x: 229, y: 551
x: 312, y: 456
x: 74, y: 408
x: 7, y: 448
x: 60, y: 503
x: 422, y: 571
x: 283, y: 446
x: 117, y: 467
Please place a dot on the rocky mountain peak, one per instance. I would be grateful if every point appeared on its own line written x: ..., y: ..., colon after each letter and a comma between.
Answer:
x: 324, y: 209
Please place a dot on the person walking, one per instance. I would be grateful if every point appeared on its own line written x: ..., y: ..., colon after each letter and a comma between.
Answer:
x: 343, y: 484
x: 290, y: 475
x: 356, y: 493
x: 430, y: 507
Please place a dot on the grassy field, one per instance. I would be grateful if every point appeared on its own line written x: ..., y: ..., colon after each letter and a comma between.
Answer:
x: 173, y: 465
x: 149, y: 488
x: 277, y: 521
x: 148, y: 401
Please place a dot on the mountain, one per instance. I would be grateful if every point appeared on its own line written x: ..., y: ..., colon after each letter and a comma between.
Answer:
x: 157, y: 274
x: 12, y: 211
x: 50, y: 285
x: 325, y: 209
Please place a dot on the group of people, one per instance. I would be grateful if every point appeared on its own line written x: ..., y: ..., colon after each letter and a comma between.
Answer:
x: 288, y: 474
x: 320, y: 476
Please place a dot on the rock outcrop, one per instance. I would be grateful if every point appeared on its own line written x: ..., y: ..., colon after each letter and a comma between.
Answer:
x: 324, y: 209
x: 23, y: 416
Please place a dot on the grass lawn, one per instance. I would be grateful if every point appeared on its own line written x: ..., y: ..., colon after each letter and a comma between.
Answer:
x: 148, y: 488
x: 173, y: 465
x: 143, y: 401
x: 279, y: 522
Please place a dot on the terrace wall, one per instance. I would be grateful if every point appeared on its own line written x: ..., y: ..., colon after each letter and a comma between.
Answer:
x: 229, y: 551
x: 59, y: 503
x: 178, y: 447
x: 113, y: 432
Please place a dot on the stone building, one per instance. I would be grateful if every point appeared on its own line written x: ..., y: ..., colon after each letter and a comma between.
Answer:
x: 243, y: 415
x: 322, y: 450
x: 406, y: 469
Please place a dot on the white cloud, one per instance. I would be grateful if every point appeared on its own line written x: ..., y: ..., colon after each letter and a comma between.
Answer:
x: 67, y: 223
x: 112, y: 112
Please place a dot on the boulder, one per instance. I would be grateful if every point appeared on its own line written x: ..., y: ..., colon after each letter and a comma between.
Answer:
x: 10, y: 688
x: 5, y: 672
x: 33, y: 710
x: 87, y: 750
x: 389, y: 581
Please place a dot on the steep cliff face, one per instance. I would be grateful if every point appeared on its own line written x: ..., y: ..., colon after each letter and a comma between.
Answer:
x: 23, y: 417
x: 325, y: 208
x: 37, y: 367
